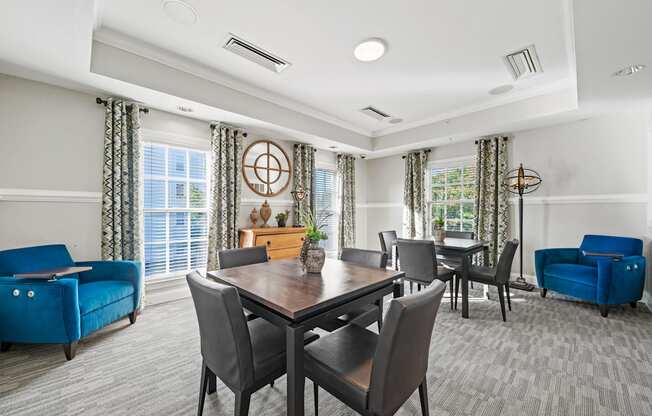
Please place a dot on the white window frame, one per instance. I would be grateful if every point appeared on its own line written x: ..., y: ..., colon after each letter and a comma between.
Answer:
x: 457, y: 162
x: 172, y: 141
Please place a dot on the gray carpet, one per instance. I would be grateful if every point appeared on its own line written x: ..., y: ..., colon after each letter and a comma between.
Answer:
x: 552, y: 357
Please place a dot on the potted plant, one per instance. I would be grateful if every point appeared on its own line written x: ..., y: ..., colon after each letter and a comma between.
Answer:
x: 282, y: 217
x: 440, y: 233
x: 313, y: 256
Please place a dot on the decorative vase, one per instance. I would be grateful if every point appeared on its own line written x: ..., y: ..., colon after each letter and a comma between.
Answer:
x: 253, y: 216
x: 315, y: 258
x: 440, y: 235
x: 265, y: 213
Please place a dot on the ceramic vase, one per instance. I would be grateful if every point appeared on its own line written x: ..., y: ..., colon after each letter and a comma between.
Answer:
x: 440, y: 235
x: 265, y: 213
x: 253, y: 216
x: 314, y: 257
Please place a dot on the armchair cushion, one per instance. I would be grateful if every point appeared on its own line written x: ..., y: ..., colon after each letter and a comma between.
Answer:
x: 96, y: 295
x: 577, y: 273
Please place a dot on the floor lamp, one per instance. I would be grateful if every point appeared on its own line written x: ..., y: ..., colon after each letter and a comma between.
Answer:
x: 521, y: 182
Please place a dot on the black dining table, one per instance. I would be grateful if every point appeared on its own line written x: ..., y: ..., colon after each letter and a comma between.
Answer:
x: 456, y: 248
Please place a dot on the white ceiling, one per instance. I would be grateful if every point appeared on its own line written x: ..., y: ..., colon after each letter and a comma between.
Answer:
x: 443, y: 58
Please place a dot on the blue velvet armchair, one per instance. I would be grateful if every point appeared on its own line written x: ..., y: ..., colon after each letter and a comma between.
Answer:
x: 605, y: 270
x: 62, y: 311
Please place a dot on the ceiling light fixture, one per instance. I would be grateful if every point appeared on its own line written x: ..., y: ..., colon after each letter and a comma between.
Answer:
x: 370, y: 50
x: 629, y: 70
x: 180, y: 11
x: 184, y: 109
x: 501, y: 89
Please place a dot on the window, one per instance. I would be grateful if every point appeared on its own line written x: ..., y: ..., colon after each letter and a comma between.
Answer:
x: 325, y: 193
x: 453, y: 196
x: 175, y: 209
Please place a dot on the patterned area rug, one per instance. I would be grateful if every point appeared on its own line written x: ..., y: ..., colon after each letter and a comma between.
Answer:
x: 552, y: 357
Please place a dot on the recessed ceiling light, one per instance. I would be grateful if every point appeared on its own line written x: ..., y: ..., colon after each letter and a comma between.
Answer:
x: 370, y: 50
x: 395, y: 120
x: 501, y: 89
x: 629, y: 70
x: 180, y: 11
x: 184, y: 109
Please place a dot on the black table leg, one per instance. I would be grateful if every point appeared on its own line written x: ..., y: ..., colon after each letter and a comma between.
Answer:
x: 465, y: 286
x: 295, y: 376
x: 399, y: 289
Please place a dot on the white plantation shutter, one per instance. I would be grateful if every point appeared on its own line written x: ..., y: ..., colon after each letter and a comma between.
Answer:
x: 175, y: 203
x: 325, y: 197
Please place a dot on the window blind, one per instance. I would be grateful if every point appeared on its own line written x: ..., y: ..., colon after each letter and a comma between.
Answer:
x: 325, y: 197
x: 175, y: 209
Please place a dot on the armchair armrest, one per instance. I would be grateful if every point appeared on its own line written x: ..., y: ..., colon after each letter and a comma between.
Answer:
x: 115, y: 270
x: 50, y: 315
x: 620, y: 281
x: 615, y: 256
x: 547, y: 256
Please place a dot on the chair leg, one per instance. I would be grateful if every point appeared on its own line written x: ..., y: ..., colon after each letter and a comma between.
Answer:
x: 379, y: 303
x: 70, y: 350
x: 4, y: 346
x: 133, y: 316
x: 457, y: 289
x: 418, y: 287
x: 212, y: 381
x: 242, y: 400
x: 271, y: 384
x: 632, y: 304
x: 509, y: 300
x: 604, y: 310
x: 544, y: 292
x: 501, y: 297
x: 423, y: 396
x: 315, y: 392
x: 202, y: 389
x: 451, y: 288
x: 411, y: 287
x: 471, y: 285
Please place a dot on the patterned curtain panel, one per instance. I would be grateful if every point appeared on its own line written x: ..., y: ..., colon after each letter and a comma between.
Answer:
x: 346, y: 181
x: 414, y: 196
x: 304, y: 166
x: 491, y: 200
x: 226, y: 188
x: 121, y: 220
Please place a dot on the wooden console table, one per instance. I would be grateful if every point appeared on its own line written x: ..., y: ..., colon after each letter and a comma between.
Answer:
x: 281, y: 243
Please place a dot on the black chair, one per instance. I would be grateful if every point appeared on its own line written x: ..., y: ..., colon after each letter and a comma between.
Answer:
x: 367, y: 314
x: 419, y: 263
x: 241, y: 257
x: 495, y: 276
x: 376, y: 374
x: 455, y: 262
x: 387, y: 241
x: 244, y: 355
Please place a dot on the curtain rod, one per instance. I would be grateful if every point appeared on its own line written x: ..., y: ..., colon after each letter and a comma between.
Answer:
x: 505, y: 138
x: 213, y: 125
x: 104, y: 102
x: 427, y: 151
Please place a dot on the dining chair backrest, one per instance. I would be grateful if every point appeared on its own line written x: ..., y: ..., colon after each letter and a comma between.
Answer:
x: 401, y: 359
x: 417, y: 259
x: 387, y: 239
x: 225, y: 340
x: 504, y: 268
x: 242, y: 256
x: 369, y: 258
x: 468, y: 235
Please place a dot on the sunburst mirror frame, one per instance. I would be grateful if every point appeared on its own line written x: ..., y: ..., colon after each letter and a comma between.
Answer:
x: 269, y: 172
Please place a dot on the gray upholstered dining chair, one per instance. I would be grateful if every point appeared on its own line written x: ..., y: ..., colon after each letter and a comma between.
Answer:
x: 241, y: 257
x: 244, y: 355
x: 376, y: 374
x: 495, y: 276
x: 367, y: 314
x: 419, y: 263
x: 387, y: 241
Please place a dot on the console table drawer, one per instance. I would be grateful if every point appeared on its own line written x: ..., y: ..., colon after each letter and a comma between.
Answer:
x: 280, y: 241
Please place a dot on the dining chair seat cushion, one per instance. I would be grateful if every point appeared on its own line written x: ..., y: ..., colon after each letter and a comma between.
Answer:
x: 341, y: 361
x: 444, y: 274
x: 268, y: 346
x: 482, y: 274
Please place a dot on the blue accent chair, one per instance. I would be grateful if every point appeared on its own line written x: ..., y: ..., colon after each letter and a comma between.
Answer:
x: 605, y: 270
x: 64, y: 310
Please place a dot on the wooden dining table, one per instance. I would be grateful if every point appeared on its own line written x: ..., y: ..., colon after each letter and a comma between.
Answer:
x: 458, y: 248
x: 280, y: 292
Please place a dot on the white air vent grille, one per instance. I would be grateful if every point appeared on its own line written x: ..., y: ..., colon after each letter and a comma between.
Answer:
x: 523, y: 63
x: 255, y: 54
x: 375, y: 113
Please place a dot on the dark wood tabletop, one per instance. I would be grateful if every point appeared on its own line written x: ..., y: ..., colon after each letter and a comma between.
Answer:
x: 53, y: 273
x: 282, y: 286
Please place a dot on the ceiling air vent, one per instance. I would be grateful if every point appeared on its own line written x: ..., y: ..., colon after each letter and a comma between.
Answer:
x: 523, y: 63
x: 255, y: 54
x: 375, y: 113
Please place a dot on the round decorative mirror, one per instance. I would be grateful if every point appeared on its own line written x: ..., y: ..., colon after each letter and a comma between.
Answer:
x: 266, y: 168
